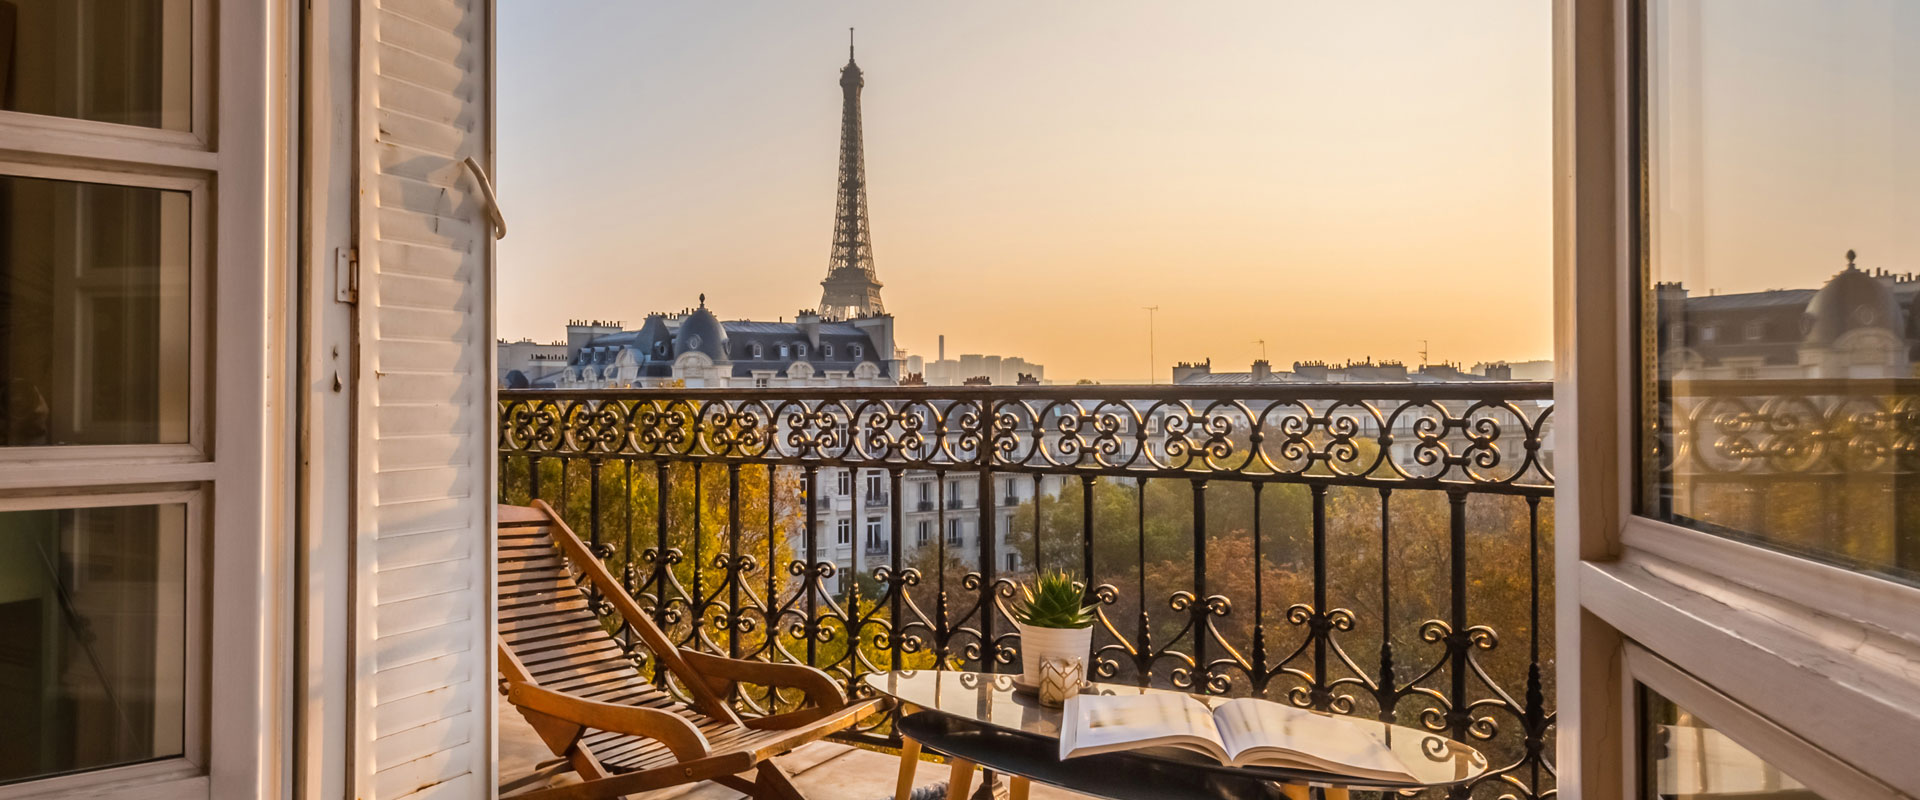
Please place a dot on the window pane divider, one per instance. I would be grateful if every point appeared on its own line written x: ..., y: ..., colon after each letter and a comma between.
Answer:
x: 80, y: 142
x: 165, y: 779
x: 1813, y: 585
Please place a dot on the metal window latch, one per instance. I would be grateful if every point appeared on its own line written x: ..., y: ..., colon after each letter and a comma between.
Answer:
x: 486, y: 193
x: 346, y: 274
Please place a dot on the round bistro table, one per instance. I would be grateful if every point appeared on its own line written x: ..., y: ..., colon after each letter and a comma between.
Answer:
x: 979, y: 720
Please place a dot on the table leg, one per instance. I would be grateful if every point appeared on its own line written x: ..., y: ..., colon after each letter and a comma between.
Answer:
x: 909, y: 762
x: 960, y: 780
x: 1017, y: 788
x: 1296, y: 791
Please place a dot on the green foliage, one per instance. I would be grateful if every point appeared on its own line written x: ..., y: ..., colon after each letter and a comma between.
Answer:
x: 1052, y: 601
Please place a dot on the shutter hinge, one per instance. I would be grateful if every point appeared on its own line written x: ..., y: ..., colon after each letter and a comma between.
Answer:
x: 346, y: 274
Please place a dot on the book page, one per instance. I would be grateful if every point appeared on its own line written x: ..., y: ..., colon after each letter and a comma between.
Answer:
x: 1097, y: 724
x: 1264, y: 732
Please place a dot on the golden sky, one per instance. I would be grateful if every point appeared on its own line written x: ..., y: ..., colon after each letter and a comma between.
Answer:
x: 1342, y: 180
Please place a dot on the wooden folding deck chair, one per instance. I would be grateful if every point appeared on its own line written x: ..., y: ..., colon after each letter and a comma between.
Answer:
x: 570, y: 680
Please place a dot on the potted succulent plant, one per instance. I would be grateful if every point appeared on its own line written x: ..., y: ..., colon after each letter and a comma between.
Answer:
x: 1053, y: 623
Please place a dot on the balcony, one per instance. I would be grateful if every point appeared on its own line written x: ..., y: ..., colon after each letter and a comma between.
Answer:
x: 1401, y: 532
x: 877, y: 499
x: 925, y: 505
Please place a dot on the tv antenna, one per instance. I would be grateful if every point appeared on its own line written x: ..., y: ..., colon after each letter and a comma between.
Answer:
x: 1423, y: 352
x: 1263, y: 348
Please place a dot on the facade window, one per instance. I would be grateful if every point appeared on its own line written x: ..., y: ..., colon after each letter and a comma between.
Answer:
x: 826, y: 349
x: 953, y: 531
x: 874, y: 486
x: 857, y: 350
x: 800, y: 350
x: 875, y: 539
x: 755, y: 347
x: 1756, y: 330
x: 843, y: 530
x: 1012, y: 489
x: 953, y: 494
x: 760, y: 383
x: 925, y: 533
x: 1006, y: 529
x: 783, y: 352
x: 845, y: 480
x: 1013, y: 562
x: 1708, y: 333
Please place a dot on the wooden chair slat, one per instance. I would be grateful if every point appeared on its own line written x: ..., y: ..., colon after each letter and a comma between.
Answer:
x: 550, y: 638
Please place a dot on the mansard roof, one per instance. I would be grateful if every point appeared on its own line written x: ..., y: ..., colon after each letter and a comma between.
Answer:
x: 830, y: 346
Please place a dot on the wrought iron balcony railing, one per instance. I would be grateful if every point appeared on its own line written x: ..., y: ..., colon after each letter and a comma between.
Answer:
x: 1378, y: 550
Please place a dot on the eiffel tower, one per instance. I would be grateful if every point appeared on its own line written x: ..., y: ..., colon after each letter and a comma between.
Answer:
x: 851, y: 289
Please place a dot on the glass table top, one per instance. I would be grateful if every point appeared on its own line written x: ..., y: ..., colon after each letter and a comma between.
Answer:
x: 992, y: 700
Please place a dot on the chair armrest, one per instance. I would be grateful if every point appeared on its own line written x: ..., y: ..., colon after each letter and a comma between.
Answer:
x: 721, y: 673
x: 574, y: 713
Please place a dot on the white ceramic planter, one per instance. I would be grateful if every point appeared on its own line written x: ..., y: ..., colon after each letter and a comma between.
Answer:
x: 1039, y: 643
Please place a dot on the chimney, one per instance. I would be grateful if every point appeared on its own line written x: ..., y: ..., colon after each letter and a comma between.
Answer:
x: 943, y: 347
x: 1262, y: 371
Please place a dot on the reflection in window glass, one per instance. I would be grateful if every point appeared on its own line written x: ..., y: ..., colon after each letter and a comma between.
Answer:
x: 1781, y: 315
x: 92, y: 638
x: 119, y: 61
x: 1687, y: 759
x: 93, y: 314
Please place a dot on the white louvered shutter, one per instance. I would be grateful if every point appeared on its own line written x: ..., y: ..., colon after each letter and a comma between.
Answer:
x: 423, y: 544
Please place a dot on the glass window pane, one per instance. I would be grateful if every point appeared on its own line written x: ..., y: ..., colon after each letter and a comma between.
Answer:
x: 1780, y: 327
x: 1687, y: 759
x: 120, y: 61
x: 93, y: 314
x: 92, y: 637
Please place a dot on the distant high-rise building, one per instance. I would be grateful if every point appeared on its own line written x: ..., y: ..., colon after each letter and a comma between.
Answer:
x: 851, y: 289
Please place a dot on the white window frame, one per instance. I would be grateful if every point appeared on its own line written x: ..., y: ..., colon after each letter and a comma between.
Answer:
x: 184, y: 775
x: 1808, y: 647
x: 111, y: 464
x: 234, y: 161
x: 925, y: 532
x: 843, y: 530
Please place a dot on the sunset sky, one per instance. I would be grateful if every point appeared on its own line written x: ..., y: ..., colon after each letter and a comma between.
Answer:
x: 1342, y: 180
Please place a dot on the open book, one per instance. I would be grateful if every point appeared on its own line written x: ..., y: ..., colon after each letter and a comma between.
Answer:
x: 1244, y: 732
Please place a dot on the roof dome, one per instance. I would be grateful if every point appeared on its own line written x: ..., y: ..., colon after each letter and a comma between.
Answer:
x: 702, y: 332
x: 1852, y: 299
x: 517, y: 380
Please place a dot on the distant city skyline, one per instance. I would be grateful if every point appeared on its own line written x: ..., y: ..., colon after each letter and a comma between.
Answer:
x: 1214, y: 165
